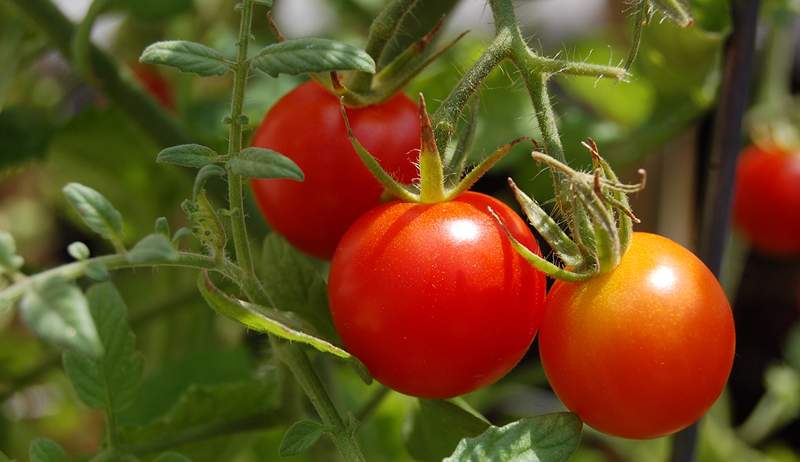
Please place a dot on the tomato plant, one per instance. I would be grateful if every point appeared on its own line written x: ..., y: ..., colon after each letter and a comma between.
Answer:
x: 432, y: 298
x: 767, y: 191
x: 307, y: 127
x: 644, y: 350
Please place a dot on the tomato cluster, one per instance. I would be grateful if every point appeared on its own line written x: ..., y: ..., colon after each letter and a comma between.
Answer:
x: 436, y: 302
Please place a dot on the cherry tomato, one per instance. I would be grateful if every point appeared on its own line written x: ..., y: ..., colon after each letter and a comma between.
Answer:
x: 644, y: 350
x: 306, y: 126
x: 155, y: 84
x: 767, y: 200
x: 432, y: 297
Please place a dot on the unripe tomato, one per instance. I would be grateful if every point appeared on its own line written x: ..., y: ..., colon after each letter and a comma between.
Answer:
x: 306, y: 125
x: 432, y: 297
x: 155, y: 84
x: 644, y: 350
x: 767, y: 200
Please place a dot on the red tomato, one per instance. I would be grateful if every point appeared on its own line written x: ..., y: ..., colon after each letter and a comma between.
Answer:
x: 767, y: 200
x: 155, y: 84
x: 306, y: 126
x: 644, y: 350
x: 433, y: 298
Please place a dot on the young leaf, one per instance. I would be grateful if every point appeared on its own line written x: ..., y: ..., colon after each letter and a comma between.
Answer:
x: 161, y: 226
x: 206, y: 224
x: 439, y: 425
x: 95, y: 210
x: 306, y: 55
x: 8, y: 253
x: 186, y: 155
x: 206, y: 173
x: 45, y: 450
x: 153, y: 248
x: 544, y: 438
x: 300, y: 437
x: 57, y: 311
x: 264, y: 163
x: 109, y: 382
x: 186, y: 56
x: 263, y: 319
x: 78, y: 250
x: 97, y: 271
x: 172, y: 457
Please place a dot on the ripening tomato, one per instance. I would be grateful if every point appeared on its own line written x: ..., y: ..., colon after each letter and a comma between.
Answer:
x: 306, y: 125
x: 644, y: 350
x: 767, y: 201
x: 432, y: 297
x: 155, y: 84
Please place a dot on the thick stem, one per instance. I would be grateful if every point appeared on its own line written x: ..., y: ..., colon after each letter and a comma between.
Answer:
x: 130, y: 97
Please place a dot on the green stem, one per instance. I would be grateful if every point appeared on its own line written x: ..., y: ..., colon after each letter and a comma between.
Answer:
x: 161, y: 125
x: 774, y: 88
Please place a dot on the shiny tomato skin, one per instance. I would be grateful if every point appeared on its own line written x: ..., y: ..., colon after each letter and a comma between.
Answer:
x: 432, y: 297
x: 306, y: 125
x: 767, y: 200
x: 155, y: 84
x: 644, y: 350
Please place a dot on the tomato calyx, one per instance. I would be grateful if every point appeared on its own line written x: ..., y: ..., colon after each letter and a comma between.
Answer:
x: 432, y: 186
x: 601, y: 197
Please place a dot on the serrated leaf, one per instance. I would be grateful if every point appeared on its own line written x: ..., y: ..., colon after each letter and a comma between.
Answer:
x: 45, y: 450
x: 300, y: 437
x: 57, y: 311
x: 186, y: 56
x: 201, y: 406
x: 265, y: 163
x: 78, y: 250
x: 263, y: 319
x: 308, y: 55
x: 95, y: 210
x: 172, y: 457
x: 544, y: 438
x: 295, y: 284
x: 439, y: 425
x: 153, y: 248
x: 186, y: 155
x: 111, y: 381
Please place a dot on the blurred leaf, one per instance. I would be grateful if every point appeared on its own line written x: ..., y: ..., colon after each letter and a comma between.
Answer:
x: 300, y: 437
x: 778, y: 406
x: 186, y: 155
x: 8, y: 253
x: 45, y: 450
x: 791, y: 350
x: 57, y: 311
x: 26, y: 134
x: 295, y: 284
x: 111, y: 381
x: 439, y: 425
x: 161, y: 226
x: 418, y: 21
x: 544, y: 438
x: 97, y: 271
x: 153, y: 248
x: 264, y: 163
x: 172, y: 457
x: 95, y: 210
x: 157, y: 9
x: 78, y: 250
x: 186, y: 56
x: 299, y: 56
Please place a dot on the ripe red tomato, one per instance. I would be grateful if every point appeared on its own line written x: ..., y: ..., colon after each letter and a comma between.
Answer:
x: 155, y: 84
x: 306, y: 126
x: 644, y: 350
x: 433, y: 298
x: 767, y: 200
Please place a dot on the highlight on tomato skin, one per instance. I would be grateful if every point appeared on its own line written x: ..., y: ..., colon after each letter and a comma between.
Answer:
x: 432, y: 298
x: 306, y: 125
x: 767, y: 200
x: 642, y: 351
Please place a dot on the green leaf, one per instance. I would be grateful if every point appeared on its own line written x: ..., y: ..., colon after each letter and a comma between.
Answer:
x: 300, y: 437
x: 111, y: 381
x: 172, y: 457
x: 8, y: 252
x: 186, y: 56
x: 264, y: 163
x: 544, y: 438
x: 206, y: 224
x: 45, y: 450
x: 791, y: 349
x: 295, y: 284
x: 153, y: 248
x: 78, y: 250
x: 439, y: 425
x: 263, y: 319
x: 161, y: 226
x: 299, y: 56
x: 97, y: 271
x: 187, y: 155
x: 57, y: 311
x: 203, y: 406
x: 95, y: 210
x: 206, y: 173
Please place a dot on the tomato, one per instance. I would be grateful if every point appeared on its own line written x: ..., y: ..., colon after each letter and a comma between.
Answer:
x: 767, y: 200
x: 155, y: 84
x: 306, y: 125
x: 644, y: 350
x: 432, y: 298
